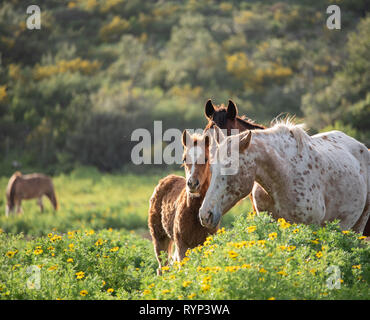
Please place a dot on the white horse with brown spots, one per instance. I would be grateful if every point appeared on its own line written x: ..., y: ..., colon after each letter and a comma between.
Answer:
x: 305, y: 179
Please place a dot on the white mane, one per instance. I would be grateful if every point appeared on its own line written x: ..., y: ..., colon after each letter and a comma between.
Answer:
x: 287, y: 126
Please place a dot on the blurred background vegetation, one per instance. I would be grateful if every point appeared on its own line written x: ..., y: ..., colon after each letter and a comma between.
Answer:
x: 73, y: 92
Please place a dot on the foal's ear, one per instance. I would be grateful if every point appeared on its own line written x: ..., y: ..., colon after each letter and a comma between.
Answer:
x: 245, y: 140
x: 209, y: 109
x: 185, y: 137
x: 232, y: 110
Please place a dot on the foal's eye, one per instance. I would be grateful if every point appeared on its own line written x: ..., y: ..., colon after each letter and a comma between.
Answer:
x: 206, y: 159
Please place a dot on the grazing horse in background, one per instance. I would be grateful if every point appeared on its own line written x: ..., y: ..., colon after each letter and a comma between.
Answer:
x: 310, y: 179
x: 29, y: 186
x: 228, y: 119
x: 174, y: 210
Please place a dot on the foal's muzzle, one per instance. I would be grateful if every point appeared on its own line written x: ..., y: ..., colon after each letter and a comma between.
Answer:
x: 193, y: 186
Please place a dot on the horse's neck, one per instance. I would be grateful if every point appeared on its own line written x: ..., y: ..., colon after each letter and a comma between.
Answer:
x: 244, y: 125
x: 272, y: 171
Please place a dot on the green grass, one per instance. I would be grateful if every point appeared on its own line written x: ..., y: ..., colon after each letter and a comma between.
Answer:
x: 96, y: 247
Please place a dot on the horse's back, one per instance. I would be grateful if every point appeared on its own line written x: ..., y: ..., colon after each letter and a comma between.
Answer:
x: 345, y: 174
x: 168, y: 189
x: 34, y: 185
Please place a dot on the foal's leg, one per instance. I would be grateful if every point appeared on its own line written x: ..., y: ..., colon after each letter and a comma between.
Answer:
x: 161, y: 245
x: 181, y: 249
x: 39, y: 201
x: 261, y: 199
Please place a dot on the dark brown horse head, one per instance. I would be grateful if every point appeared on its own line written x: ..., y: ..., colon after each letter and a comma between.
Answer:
x: 228, y: 118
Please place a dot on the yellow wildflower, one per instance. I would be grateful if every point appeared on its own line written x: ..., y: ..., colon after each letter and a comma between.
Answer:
x: 99, y: 242
x: 251, y: 215
x: 80, y: 274
x: 10, y: 254
x: 262, y: 270
x: 319, y: 254
x: 205, y: 287
x: 83, y: 293
x: 53, y: 268
x: 283, y: 224
x: 114, y: 249
x: 261, y: 242
x: 89, y: 232
x: 251, y: 229
x: 358, y: 266
x: 232, y: 254
x: 70, y: 234
x: 186, y: 283
x: 69, y: 260
x: 37, y: 251
x: 110, y: 290
x: 146, y: 291
x: 191, y: 296
x: 166, y: 291
x: 272, y: 235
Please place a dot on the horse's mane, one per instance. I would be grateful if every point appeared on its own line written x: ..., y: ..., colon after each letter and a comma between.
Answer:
x: 288, y: 126
x: 10, y: 192
x: 222, y: 111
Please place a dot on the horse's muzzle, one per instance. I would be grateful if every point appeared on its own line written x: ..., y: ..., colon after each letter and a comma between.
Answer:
x: 193, y: 187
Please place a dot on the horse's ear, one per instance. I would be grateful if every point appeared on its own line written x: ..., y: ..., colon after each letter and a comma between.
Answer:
x: 245, y: 140
x: 207, y: 141
x: 232, y: 110
x: 218, y: 134
x: 209, y: 109
x: 185, y: 137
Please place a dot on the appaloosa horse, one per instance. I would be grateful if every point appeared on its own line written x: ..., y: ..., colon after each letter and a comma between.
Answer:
x: 309, y: 179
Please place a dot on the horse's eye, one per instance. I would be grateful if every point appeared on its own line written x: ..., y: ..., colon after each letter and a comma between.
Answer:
x: 206, y: 159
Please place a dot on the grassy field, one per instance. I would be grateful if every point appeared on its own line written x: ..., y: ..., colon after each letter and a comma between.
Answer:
x: 96, y: 247
x: 89, y: 199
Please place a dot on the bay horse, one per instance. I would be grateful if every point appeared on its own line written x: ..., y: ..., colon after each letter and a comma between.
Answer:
x: 29, y: 186
x: 229, y: 119
x: 311, y: 179
x: 173, y: 209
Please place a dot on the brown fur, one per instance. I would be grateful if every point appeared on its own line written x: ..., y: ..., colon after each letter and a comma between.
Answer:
x: 173, y: 213
x: 29, y: 186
